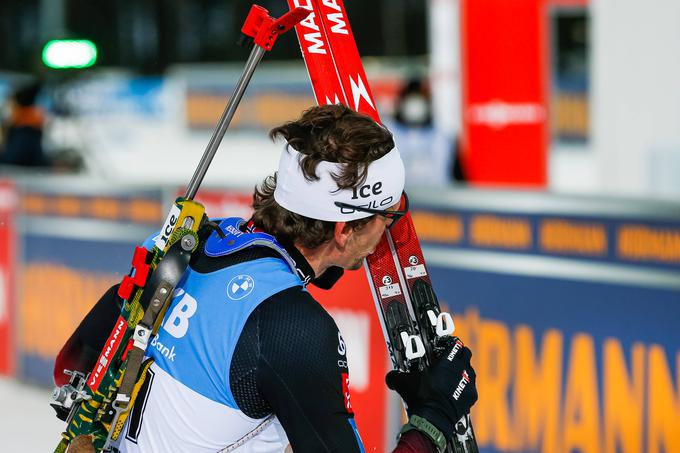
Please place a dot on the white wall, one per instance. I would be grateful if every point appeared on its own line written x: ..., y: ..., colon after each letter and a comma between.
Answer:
x: 444, y: 43
x: 135, y: 138
x: 636, y: 96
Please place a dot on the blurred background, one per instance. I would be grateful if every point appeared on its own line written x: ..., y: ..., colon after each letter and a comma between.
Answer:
x: 542, y: 141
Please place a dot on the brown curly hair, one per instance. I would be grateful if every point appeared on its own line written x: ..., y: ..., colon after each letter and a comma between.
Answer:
x: 331, y: 133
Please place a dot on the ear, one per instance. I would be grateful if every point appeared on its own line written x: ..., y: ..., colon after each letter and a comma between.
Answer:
x: 342, y: 233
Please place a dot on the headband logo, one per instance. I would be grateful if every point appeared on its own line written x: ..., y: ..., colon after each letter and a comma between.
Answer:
x: 366, y: 190
x: 375, y: 204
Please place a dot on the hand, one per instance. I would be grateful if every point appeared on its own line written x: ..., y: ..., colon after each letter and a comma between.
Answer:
x: 444, y: 392
x: 81, y: 444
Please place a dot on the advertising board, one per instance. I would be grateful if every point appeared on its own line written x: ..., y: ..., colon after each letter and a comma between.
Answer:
x: 571, y: 314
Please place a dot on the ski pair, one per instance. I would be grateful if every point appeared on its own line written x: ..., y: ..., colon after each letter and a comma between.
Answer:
x: 407, y: 306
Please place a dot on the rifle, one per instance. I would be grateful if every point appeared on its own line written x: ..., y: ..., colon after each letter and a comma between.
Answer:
x: 97, y: 405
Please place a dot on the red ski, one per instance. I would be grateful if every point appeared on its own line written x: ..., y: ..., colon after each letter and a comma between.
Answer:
x: 405, y: 301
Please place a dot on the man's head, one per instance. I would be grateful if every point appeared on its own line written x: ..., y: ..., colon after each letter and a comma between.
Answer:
x: 334, y: 159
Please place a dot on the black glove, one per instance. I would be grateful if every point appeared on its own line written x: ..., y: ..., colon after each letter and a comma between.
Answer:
x: 444, y: 392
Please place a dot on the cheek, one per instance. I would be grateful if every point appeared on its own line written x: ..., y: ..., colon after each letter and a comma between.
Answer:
x: 377, y: 235
x: 371, y: 236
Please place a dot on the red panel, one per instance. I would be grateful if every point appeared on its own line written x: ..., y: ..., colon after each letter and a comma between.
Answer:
x: 8, y: 202
x: 504, y: 72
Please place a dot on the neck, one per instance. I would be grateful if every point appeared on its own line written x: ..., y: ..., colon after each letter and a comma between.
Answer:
x: 318, y: 258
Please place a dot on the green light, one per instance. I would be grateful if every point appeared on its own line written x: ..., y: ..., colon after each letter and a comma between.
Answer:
x: 69, y: 53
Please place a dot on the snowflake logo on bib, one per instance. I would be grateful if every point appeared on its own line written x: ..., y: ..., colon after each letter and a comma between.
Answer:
x: 240, y: 287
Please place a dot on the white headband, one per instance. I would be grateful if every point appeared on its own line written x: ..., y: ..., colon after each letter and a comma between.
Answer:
x: 316, y: 199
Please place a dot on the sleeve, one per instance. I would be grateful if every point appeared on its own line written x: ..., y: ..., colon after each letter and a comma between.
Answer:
x: 290, y: 360
x: 302, y: 374
x: 81, y: 350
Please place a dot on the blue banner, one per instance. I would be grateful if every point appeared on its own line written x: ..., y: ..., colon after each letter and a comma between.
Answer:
x: 572, y: 319
x: 568, y: 366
